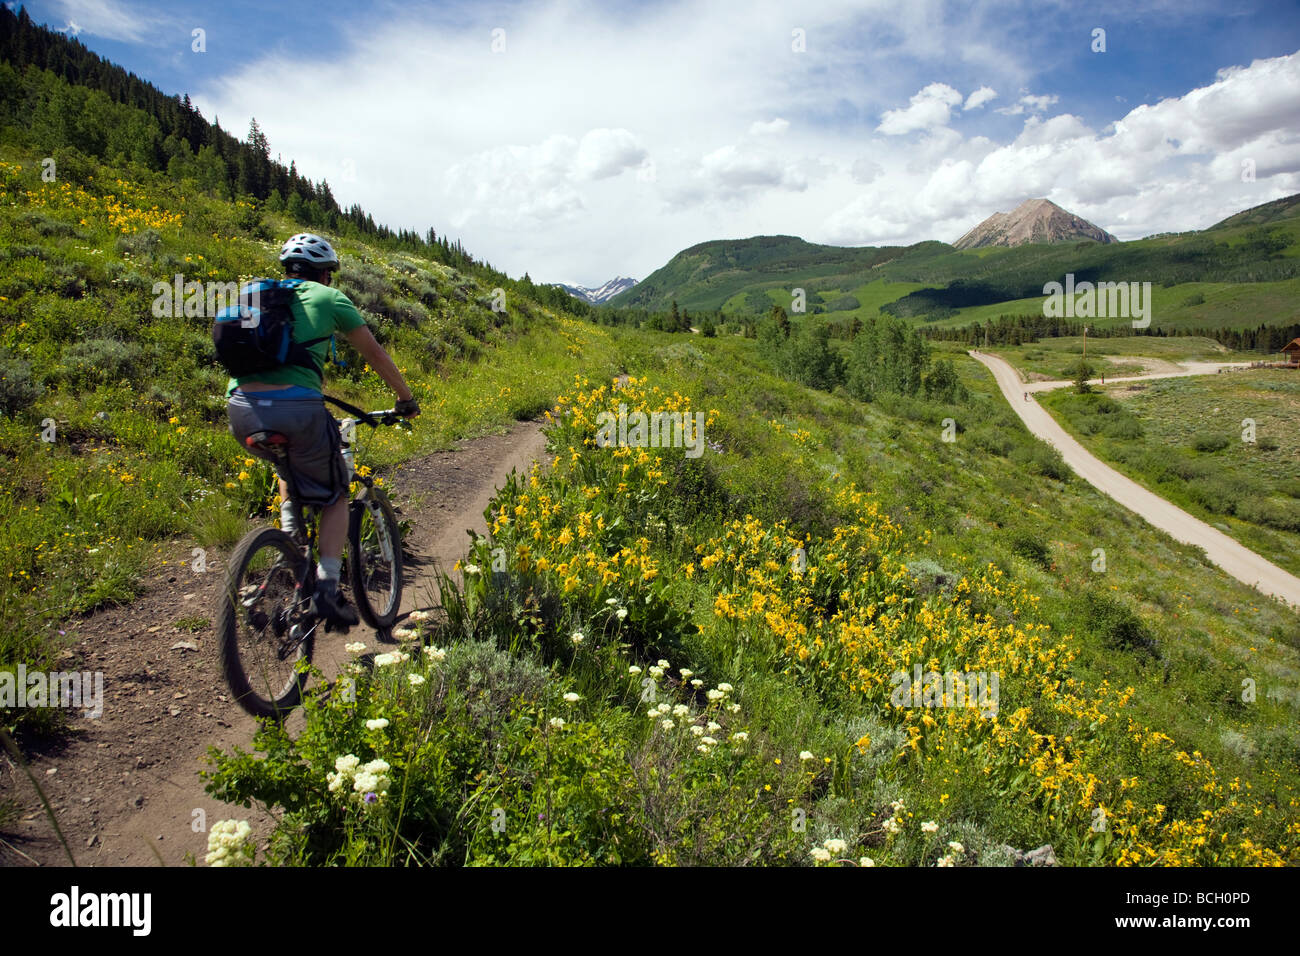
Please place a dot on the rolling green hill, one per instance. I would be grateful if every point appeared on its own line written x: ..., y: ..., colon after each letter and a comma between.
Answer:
x: 1242, y: 272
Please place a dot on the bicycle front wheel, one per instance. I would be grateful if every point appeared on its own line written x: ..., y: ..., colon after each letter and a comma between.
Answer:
x: 375, y: 558
x: 265, y: 625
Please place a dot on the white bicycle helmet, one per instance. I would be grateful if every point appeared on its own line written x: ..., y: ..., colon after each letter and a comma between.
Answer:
x: 311, y: 249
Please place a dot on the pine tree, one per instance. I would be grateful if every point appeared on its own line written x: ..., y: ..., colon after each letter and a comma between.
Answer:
x: 257, y: 140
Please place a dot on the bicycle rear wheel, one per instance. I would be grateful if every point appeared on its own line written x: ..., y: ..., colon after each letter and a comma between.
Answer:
x: 375, y: 558
x: 264, y: 623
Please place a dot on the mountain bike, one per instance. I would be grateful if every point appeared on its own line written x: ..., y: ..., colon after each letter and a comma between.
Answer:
x: 266, y: 621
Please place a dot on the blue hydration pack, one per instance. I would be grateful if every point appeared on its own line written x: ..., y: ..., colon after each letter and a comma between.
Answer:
x: 257, y: 334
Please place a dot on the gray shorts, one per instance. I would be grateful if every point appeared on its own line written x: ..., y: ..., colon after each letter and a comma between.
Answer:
x: 315, y: 448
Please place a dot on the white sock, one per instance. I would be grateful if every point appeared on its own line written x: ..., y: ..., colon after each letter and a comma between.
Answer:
x: 286, y: 517
x: 327, y: 571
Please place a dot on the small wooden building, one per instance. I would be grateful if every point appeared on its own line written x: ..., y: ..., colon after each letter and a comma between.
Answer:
x: 1292, y: 352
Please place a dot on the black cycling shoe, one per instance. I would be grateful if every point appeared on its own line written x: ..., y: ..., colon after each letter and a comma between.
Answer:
x: 331, y: 606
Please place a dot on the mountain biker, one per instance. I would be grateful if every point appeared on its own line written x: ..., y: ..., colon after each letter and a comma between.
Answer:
x: 288, y: 400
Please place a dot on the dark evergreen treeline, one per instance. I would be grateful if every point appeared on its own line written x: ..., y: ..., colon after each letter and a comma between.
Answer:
x: 1265, y: 338
x: 675, y: 319
x: 55, y: 94
x: 1029, y: 328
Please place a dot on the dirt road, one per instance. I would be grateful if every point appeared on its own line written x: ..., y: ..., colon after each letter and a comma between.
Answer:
x: 125, y: 787
x: 1178, y: 370
x: 1240, y: 562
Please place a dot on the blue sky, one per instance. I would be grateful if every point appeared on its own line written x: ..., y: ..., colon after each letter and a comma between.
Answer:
x: 586, y: 140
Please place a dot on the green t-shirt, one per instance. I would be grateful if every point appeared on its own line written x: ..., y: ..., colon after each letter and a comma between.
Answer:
x: 317, y: 310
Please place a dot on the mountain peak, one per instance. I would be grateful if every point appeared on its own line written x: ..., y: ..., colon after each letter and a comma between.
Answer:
x: 601, y: 293
x: 1034, y: 220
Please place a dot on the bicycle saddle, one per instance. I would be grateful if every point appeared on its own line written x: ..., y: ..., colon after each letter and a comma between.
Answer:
x: 266, y: 441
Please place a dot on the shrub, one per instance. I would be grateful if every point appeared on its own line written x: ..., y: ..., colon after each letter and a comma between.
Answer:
x: 100, y: 361
x: 1042, y: 459
x: 1117, y: 625
x: 1211, y: 442
x: 1125, y: 428
x: 1031, y: 546
x: 17, y: 389
x: 1283, y: 515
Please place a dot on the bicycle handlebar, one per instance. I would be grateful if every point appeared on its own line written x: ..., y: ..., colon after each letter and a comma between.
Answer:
x: 386, y: 416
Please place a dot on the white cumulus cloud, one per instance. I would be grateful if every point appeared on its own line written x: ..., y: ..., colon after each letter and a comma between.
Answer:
x: 979, y: 97
x: 931, y: 107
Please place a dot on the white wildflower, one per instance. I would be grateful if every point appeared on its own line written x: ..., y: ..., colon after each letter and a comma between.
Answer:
x: 806, y: 755
x: 415, y: 679
x: 230, y: 844
x: 835, y: 846
x: 379, y: 723
x: 929, y: 826
x: 347, y: 763
x: 557, y: 722
x: 634, y: 670
x: 572, y: 698
x: 435, y: 654
x: 577, y: 637
x: 354, y: 648
x: 740, y: 736
x: 820, y: 854
x: 667, y: 724
x: 866, y: 861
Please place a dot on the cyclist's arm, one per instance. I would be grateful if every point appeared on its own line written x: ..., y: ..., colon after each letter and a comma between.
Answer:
x: 363, y: 340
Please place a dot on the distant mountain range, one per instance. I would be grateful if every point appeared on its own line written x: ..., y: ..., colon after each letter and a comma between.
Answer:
x: 602, y: 294
x: 1034, y: 220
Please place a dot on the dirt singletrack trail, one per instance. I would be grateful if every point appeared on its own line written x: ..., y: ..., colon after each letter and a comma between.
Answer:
x: 1234, y: 558
x: 125, y: 787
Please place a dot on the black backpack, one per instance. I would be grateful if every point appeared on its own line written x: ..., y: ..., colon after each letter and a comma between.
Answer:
x: 257, y: 334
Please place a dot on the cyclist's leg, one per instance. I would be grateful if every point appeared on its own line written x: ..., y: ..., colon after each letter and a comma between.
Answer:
x: 315, y: 455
